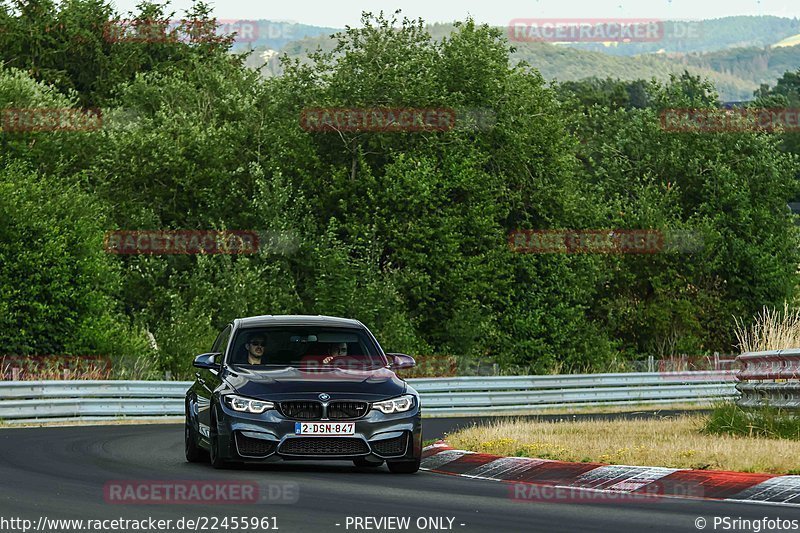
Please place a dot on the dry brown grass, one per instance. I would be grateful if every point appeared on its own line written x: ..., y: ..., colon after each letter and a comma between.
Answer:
x: 55, y: 367
x: 670, y: 442
x: 771, y: 330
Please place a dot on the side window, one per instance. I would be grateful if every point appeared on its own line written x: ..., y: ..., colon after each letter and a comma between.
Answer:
x: 222, y: 340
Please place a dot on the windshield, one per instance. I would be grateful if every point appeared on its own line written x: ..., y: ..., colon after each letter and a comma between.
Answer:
x: 305, y: 347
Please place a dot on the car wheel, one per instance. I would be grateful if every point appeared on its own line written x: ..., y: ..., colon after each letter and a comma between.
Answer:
x: 404, y: 467
x: 216, y: 460
x: 194, y: 454
x: 363, y: 462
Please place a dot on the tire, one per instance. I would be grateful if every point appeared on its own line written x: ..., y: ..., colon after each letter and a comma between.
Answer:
x: 216, y: 460
x: 362, y: 462
x: 404, y: 467
x: 194, y: 453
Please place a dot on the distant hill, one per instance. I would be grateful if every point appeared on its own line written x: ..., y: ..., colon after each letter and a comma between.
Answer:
x: 679, y: 36
x: 756, y: 65
x: 707, y: 36
x: 274, y: 35
x: 736, y: 73
x: 794, y: 40
x: 736, y: 53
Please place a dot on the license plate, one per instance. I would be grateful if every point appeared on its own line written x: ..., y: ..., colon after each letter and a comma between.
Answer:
x: 324, y: 428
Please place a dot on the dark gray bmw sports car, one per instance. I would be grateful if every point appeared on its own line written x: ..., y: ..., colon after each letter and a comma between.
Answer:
x: 302, y: 387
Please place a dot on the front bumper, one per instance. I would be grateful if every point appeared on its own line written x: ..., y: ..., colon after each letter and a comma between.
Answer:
x: 268, y: 438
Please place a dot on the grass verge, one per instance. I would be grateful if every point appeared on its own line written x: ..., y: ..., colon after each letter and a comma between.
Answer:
x: 679, y: 442
x: 568, y: 410
x: 766, y: 422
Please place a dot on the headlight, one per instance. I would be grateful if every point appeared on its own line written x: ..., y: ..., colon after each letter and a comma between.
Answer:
x: 396, y: 405
x: 247, y: 405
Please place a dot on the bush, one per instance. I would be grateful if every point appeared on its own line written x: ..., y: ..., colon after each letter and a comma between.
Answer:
x: 767, y: 422
x: 406, y: 232
x: 58, y: 287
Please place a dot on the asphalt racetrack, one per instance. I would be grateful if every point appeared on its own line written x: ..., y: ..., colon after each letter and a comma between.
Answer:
x: 64, y: 473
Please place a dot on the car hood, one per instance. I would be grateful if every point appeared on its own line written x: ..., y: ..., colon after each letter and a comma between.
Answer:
x: 284, y: 383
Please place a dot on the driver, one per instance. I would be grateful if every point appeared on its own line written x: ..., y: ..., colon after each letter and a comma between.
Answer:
x: 337, y: 350
x: 255, y: 350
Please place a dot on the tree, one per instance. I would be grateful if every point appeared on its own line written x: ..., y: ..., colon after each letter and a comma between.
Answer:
x: 86, y: 47
x: 785, y: 95
x: 729, y: 189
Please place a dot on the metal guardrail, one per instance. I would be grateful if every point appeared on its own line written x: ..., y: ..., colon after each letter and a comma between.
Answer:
x: 101, y: 400
x: 769, y: 378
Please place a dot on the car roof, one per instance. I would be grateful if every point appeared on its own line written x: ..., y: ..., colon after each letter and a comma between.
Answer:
x: 297, y: 320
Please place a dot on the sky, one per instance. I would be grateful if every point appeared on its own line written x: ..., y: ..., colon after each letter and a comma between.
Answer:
x: 338, y: 13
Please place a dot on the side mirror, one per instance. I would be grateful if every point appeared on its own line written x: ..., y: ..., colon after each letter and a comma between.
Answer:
x: 206, y: 360
x: 401, y: 360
